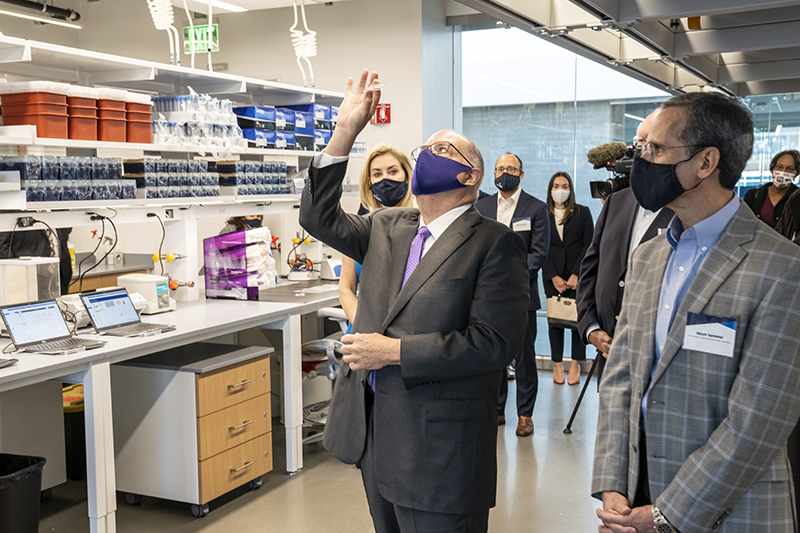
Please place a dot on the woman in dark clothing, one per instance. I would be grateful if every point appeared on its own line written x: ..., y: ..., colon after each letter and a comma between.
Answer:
x: 571, y: 231
x: 768, y: 201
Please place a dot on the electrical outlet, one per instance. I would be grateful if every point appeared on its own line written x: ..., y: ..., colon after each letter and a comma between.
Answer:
x: 25, y: 222
x: 169, y: 213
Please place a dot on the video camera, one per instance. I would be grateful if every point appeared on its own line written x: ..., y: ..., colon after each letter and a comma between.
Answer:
x: 615, y: 157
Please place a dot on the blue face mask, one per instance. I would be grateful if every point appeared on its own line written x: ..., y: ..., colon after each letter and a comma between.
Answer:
x: 435, y: 173
x: 507, y: 182
x: 388, y: 192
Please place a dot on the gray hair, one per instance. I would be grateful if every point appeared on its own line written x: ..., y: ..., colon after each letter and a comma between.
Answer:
x: 712, y: 119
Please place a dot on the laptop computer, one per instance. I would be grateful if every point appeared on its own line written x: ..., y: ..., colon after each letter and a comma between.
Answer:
x: 39, y: 327
x: 112, y: 313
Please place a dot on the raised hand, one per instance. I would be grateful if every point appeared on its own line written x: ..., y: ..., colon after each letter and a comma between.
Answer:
x: 354, y: 113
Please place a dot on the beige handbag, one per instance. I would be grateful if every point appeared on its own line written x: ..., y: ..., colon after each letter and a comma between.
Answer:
x: 562, y: 312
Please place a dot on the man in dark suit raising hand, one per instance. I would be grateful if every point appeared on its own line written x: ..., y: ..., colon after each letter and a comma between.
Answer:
x: 442, y: 309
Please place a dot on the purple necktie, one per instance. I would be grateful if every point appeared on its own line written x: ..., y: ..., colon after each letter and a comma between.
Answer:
x: 414, y: 255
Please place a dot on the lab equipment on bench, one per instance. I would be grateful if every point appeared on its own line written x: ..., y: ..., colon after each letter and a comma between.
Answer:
x: 330, y: 269
x: 113, y: 313
x: 154, y: 289
x: 40, y: 327
x: 29, y: 279
x: 239, y: 265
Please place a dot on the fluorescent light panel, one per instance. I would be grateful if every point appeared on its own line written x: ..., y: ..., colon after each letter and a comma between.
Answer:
x: 222, y: 5
x: 40, y: 19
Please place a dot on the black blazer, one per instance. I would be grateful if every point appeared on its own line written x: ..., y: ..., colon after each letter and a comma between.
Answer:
x: 567, y: 254
x: 537, y: 238
x: 461, y: 317
x: 755, y: 199
x: 602, y: 275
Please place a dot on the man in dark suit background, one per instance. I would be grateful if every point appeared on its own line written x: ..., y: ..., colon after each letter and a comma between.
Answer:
x: 443, y: 295
x: 527, y: 216
x: 621, y: 227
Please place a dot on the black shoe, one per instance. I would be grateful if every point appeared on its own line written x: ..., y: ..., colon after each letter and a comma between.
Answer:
x: 501, y: 420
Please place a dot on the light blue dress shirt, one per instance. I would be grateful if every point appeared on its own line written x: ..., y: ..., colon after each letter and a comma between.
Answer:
x: 689, y: 249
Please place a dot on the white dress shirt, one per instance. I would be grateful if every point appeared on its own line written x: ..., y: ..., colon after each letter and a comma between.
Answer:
x: 438, y: 226
x: 506, y: 207
x: 558, y: 214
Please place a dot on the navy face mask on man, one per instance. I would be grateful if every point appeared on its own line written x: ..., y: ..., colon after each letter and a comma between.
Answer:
x: 388, y: 192
x: 434, y: 173
x: 655, y: 184
x: 506, y: 182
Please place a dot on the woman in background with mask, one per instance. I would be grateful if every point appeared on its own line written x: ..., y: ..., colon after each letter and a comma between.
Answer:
x: 571, y: 230
x: 234, y: 224
x: 768, y: 201
x: 385, y: 182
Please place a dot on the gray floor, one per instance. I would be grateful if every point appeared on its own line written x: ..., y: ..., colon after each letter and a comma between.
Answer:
x: 543, y: 485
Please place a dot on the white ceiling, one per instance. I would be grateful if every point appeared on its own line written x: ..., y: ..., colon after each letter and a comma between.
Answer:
x: 743, y: 47
x: 250, y: 5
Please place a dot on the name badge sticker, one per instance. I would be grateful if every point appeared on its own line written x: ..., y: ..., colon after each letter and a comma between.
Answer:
x: 522, y: 224
x: 710, y: 334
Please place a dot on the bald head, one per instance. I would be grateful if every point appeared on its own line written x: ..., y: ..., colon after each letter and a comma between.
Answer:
x: 462, y: 144
x: 643, y: 131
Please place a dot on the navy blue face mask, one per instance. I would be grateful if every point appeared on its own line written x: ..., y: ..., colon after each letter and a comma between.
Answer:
x: 435, y: 173
x: 507, y: 182
x: 655, y: 184
x: 389, y: 192
x: 252, y: 223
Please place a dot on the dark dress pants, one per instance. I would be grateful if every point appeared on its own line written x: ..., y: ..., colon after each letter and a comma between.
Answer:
x: 557, y: 344
x: 390, y: 518
x: 527, y: 378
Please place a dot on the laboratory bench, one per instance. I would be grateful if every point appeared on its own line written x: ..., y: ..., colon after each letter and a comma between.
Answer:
x: 195, y: 321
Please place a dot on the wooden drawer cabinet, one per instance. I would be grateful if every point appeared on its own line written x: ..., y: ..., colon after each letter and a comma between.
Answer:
x: 192, y: 423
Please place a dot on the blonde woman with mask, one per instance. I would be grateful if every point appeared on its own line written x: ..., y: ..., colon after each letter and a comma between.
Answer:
x: 385, y: 182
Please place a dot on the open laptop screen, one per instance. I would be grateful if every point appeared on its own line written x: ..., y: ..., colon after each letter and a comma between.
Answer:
x: 110, y: 309
x: 34, y: 322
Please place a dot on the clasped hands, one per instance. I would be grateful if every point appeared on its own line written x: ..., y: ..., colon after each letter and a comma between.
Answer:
x: 370, y: 351
x: 562, y: 285
x: 618, y: 517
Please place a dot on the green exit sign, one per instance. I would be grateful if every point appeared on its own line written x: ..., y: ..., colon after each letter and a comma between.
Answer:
x: 201, y: 43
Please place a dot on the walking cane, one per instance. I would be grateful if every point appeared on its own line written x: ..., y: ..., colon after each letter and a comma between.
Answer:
x: 567, y: 430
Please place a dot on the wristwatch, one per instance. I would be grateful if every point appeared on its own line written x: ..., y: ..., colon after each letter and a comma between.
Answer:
x: 661, y: 523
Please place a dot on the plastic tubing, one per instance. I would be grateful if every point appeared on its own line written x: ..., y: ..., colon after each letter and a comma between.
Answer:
x: 163, y: 19
x: 191, y: 28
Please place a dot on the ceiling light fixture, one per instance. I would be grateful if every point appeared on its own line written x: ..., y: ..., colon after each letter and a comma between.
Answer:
x: 222, y: 5
x: 41, y: 19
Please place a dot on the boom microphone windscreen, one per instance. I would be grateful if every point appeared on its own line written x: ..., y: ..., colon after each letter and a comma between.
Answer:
x: 600, y: 156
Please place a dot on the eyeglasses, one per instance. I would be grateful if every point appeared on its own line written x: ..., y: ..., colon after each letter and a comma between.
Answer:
x: 511, y: 170
x: 438, y: 148
x: 654, y: 149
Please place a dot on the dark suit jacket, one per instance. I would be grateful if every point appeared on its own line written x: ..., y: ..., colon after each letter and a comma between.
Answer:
x: 602, y: 275
x: 537, y: 239
x: 461, y: 317
x: 755, y: 199
x: 566, y: 254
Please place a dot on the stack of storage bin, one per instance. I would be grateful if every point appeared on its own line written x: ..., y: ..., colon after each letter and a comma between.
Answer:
x: 111, y: 123
x: 82, y: 113
x: 39, y: 103
x: 138, y: 111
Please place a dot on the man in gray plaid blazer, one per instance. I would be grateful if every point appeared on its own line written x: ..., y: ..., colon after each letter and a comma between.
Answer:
x: 702, y: 384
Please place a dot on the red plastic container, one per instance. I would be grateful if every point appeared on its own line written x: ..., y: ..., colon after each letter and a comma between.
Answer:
x: 136, y: 116
x: 35, y: 109
x: 111, y: 113
x: 111, y: 130
x: 138, y: 131
x: 113, y: 105
x: 82, y: 128
x: 33, y: 98
x: 79, y: 101
x: 133, y: 107
x: 76, y: 111
x: 51, y: 126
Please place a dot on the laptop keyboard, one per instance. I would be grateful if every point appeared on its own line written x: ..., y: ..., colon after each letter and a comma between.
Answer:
x: 65, y: 344
x: 137, y: 328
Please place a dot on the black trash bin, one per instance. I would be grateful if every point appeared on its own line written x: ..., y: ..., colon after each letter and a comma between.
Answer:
x: 20, y: 493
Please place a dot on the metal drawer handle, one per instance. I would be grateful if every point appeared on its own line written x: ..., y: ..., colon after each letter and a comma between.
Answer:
x: 242, y: 384
x: 242, y: 467
x: 240, y: 426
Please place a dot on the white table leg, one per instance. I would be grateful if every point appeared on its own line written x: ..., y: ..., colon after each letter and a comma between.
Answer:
x: 101, y: 481
x: 293, y: 393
